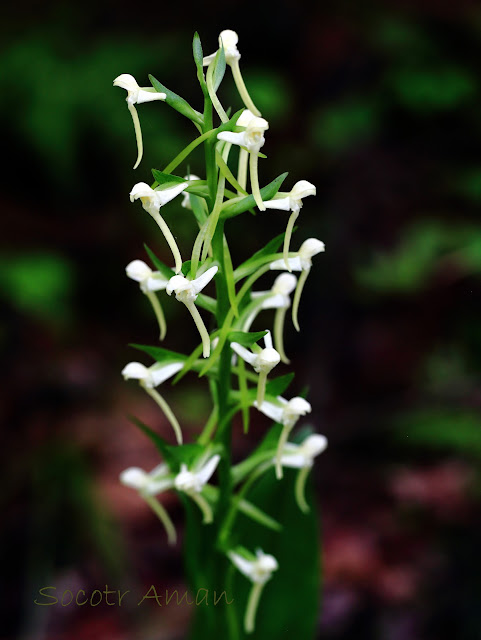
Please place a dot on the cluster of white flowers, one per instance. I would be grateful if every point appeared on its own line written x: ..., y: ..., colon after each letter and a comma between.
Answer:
x: 187, y: 280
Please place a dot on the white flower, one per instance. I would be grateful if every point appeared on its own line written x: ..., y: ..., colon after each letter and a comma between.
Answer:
x: 151, y: 377
x: 191, y: 482
x: 278, y: 296
x: 156, y: 481
x: 285, y: 412
x: 262, y: 361
x: 292, y: 201
x: 259, y: 570
x: 302, y: 261
x: 186, y: 200
x: 194, y: 481
x: 149, y: 280
x: 152, y: 200
x: 186, y: 291
x: 252, y: 139
x: 148, y: 485
x: 301, y: 456
x: 227, y: 39
x: 137, y: 95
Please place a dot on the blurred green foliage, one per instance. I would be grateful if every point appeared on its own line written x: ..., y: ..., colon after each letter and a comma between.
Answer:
x: 39, y: 284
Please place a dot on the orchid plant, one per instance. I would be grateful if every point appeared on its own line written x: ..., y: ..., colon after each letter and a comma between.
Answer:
x: 231, y: 509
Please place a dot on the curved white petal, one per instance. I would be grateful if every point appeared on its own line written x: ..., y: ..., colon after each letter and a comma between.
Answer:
x: 271, y: 410
x: 205, y: 473
x: 232, y: 137
x: 166, y: 195
x: 156, y: 282
x: 161, y: 372
x: 203, y: 280
x: 294, y: 263
x: 145, y: 95
x: 244, y: 353
x: 244, y: 566
x: 283, y: 204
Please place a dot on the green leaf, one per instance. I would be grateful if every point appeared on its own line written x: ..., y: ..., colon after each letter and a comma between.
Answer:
x: 232, y: 209
x: 198, y: 209
x: 185, y: 269
x: 198, y: 59
x: 163, y: 447
x: 159, y: 353
x: 296, y: 549
x: 256, y: 260
x: 219, y: 68
x: 246, y: 338
x: 227, y: 173
x: 277, y: 386
x: 166, y: 180
x: 229, y: 278
x: 176, y: 102
x: 166, y: 271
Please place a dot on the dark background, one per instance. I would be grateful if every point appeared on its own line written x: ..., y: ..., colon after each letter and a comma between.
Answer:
x: 376, y: 103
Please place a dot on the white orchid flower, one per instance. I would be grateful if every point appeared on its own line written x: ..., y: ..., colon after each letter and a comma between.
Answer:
x: 291, y: 201
x: 137, y: 95
x: 278, y: 297
x: 186, y: 200
x: 258, y: 570
x: 148, y: 485
x: 262, y: 361
x: 151, y: 377
x: 152, y: 200
x: 186, y: 291
x: 194, y: 480
x: 150, y: 282
x: 301, y: 456
x: 287, y: 413
x: 302, y: 261
x: 251, y: 140
x: 229, y: 39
